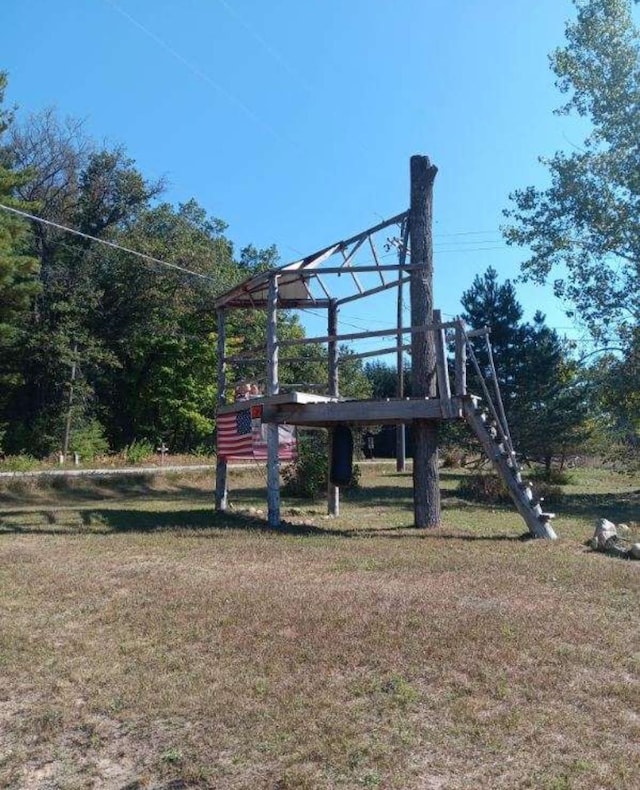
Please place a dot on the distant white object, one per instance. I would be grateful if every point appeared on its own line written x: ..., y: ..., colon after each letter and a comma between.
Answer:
x: 634, y: 551
x: 605, y: 530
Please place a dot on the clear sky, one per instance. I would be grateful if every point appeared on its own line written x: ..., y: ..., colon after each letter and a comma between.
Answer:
x: 294, y: 120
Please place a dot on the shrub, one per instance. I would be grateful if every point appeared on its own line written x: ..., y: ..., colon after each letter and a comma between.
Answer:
x: 138, y: 451
x: 18, y: 463
x: 308, y: 475
x: 490, y: 489
x: 89, y: 441
x: 486, y: 488
x: 554, y: 476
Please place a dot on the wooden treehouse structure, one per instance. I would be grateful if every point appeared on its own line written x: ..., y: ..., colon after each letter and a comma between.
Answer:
x: 439, y: 384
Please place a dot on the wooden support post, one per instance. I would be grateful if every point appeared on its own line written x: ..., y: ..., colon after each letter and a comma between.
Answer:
x: 444, y: 387
x: 401, y: 451
x: 333, y: 492
x: 221, y: 464
x: 461, y: 361
x: 426, y: 492
x: 273, y: 388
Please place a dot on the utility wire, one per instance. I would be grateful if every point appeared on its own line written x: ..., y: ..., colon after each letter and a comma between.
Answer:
x: 197, y: 71
x: 148, y: 258
x: 265, y: 45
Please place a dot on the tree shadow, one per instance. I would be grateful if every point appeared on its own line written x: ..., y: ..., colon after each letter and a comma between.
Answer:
x: 209, y: 523
x: 615, y: 507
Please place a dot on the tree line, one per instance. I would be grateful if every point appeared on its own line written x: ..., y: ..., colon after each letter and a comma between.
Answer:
x: 99, y: 349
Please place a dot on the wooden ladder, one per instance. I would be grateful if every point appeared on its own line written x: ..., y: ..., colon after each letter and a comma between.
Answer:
x: 490, y: 426
x: 503, y: 458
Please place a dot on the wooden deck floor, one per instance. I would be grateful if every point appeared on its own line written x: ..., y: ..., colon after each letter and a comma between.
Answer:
x: 301, y: 408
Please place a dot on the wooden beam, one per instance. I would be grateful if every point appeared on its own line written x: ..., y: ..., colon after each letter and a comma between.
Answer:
x: 401, y: 448
x: 461, y: 361
x: 273, y: 388
x: 444, y: 386
x: 371, y: 291
x: 357, y: 412
x: 333, y: 492
x: 379, y: 352
x: 375, y: 258
x: 314, y: 259
x: 221, y: 496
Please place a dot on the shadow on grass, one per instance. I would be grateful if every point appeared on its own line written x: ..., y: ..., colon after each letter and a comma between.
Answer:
x: 618, y: 507
x: 110, y: 521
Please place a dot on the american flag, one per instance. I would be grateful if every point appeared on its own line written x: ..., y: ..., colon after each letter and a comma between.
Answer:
x: 242, y: 436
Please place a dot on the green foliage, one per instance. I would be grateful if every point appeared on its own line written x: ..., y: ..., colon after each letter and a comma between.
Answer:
x: 584, y: 226
x: 554, y: 476
x: 308, y: 476
x: 615, y: 401
x: 542, y: 389
x: 18, y: 463
x: 139, y: 451
x: 89, y: 440
x: 486, y: 488
x: 18, y: 269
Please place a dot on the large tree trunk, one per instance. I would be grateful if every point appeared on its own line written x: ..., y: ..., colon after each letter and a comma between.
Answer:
x: 426, y: 491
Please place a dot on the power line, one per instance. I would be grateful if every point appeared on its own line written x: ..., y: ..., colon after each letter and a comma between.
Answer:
x: 148, y: 258
x: 197, y: 71
x: 265, y: 45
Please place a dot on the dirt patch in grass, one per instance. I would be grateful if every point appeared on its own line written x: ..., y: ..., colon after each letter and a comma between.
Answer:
x: 172, y: 649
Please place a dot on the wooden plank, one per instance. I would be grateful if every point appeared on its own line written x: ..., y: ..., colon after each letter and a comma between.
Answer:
x: 282, y: 398
x: 357, y: 412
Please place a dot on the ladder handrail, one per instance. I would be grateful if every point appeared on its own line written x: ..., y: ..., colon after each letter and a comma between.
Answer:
x: 487, y: 394
x: 494, y: 374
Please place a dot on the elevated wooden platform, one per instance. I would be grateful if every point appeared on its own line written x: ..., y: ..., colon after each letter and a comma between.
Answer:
x: 306, y: 409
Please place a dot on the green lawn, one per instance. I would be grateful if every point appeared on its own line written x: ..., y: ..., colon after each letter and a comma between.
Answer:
x: 147, y: 642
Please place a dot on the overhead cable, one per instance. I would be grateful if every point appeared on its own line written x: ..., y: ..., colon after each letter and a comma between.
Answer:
x: 113, y: 245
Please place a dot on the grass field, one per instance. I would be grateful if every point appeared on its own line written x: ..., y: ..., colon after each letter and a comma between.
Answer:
x: 146, y: 642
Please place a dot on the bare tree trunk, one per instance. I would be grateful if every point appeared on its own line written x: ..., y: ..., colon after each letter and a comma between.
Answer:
x: 426, y: 491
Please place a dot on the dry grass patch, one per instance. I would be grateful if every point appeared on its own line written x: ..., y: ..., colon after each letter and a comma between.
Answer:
x: 165, y: 648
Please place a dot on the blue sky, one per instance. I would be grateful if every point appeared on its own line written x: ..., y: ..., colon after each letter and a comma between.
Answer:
x: 294, y: 120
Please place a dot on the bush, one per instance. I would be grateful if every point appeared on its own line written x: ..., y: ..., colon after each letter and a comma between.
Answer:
x: 139, y: 451
x: 308, y: 475
x: 491, y: 490
x: 557, y: 477
x: 487, y: 488
x: 89, y: 441
x: 550, y: 493
x: 18, y: 463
